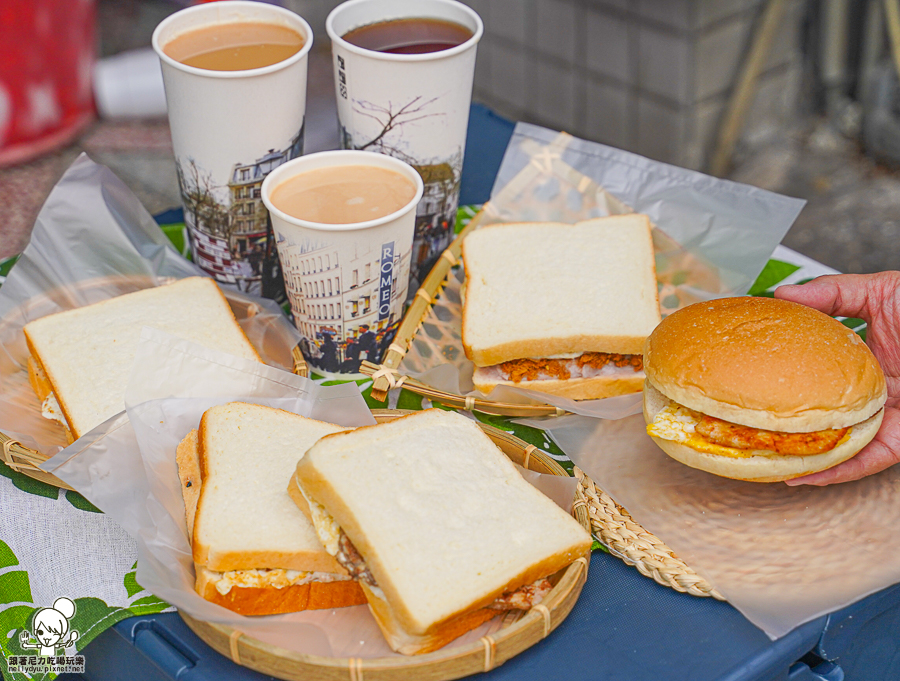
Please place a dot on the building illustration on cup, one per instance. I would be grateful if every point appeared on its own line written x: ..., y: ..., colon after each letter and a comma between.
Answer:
x: 344, y: 223
x: 347, y: 309
x: 235, y: 76
x: 228, y: 224
x: 436, y: 212
x: 403, y: 83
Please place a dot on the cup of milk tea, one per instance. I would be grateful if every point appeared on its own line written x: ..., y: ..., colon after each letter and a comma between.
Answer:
x: 344, y: 223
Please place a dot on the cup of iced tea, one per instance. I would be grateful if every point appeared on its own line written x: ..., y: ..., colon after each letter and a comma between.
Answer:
x: 344, y: 223
x: 403, y: 80
x: 235, y: 79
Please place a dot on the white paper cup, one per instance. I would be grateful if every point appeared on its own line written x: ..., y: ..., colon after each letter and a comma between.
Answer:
x: 411, y: 106
x: 347, y: 283
x: 229, y: 130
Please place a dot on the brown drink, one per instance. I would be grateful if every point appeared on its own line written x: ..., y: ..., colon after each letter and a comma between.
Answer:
x: 341, y: 195
x: 235, y: 46
x: 409, y: 36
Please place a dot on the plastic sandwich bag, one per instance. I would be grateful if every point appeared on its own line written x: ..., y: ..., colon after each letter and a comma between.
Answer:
x: 781, y: 555
x: 94, y: 240
x: 127, y: 468
x: 711, y: 238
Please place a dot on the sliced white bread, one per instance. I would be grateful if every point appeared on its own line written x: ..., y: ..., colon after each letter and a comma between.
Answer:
x: 187, y: 456
x: 44, y: 391
x: 86, y: 353
x: 401, y: 640
x: 261, y: 590
x: 442, y: 518
x: 244, y: 517
x: 543, y: 289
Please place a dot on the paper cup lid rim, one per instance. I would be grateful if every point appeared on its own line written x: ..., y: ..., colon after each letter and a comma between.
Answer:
x: 389, y: 56
x: 245, y: 73
x: 272, y: 177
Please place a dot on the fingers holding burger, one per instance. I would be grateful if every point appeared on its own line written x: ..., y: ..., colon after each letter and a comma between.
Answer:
x: 760, y: 389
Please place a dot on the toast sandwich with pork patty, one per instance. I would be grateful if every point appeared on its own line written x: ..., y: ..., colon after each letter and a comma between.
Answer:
x: 560, y: 308
x: 436, y: 523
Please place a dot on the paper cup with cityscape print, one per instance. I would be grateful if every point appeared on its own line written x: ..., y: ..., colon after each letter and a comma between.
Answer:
x: 414, y: 107
x: 347, y: 283
x: 230, y: 128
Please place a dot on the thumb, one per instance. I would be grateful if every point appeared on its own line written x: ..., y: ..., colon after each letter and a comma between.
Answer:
x: 843, y: 295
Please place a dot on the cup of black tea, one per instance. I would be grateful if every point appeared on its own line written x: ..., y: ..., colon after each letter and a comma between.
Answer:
x: 403, y: 79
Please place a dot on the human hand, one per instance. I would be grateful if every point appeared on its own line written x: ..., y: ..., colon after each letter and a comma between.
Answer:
x: 874, y: 298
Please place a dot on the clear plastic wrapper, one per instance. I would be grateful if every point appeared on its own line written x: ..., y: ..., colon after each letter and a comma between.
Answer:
x: 127, y: 468
x: 711, y: 237
x: 781, y: 555
x: 94, y: 240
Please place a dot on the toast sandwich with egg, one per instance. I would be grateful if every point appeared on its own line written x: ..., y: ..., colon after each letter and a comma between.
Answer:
x: 436, y: 523
x: 560, y: 308
x: 254, y: 552
x: 81, y: 358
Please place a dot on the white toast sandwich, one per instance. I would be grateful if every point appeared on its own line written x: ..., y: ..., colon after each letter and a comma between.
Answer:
x: 559, y: 308
x: 254, y: 552
x: 81, y: 358
x: 436, y: 524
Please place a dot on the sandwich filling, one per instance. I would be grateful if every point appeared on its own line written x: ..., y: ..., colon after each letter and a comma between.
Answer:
x: 51, y: 410
x: 338, y: 544
x: 277, y: 578
x: 42, y: 387
x: 585, y: 365
x: 711, y: 435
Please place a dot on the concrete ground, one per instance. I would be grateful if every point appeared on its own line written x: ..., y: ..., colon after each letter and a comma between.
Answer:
x: 852, y: 219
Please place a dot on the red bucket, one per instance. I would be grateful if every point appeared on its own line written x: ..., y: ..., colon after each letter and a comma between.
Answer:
x: 47, y: 54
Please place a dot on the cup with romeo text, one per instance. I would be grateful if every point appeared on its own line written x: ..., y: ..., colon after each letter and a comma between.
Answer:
x: 344, y: 222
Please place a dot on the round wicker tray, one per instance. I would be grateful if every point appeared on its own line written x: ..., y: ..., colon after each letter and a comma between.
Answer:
x: 518, y: 631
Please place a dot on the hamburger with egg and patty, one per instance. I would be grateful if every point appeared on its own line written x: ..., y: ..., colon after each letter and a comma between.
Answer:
x: 760, y: 389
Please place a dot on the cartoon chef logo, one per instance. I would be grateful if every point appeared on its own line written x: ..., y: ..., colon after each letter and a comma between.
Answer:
x: 51, y: 629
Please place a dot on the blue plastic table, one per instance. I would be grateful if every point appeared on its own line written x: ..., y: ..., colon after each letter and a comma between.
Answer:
x: 624, y: 627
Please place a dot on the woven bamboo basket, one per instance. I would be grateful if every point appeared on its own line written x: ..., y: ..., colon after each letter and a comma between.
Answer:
x: 518, y: 631
x: 610, y: 523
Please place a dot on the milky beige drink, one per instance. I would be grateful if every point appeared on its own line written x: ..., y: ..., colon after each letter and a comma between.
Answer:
x: 236, y: 46
x: 344, y: 223
x: 235, y: 77
x: 342, y: 195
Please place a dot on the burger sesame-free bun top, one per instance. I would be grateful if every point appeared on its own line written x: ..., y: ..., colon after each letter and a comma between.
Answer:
x: 765, y: 363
